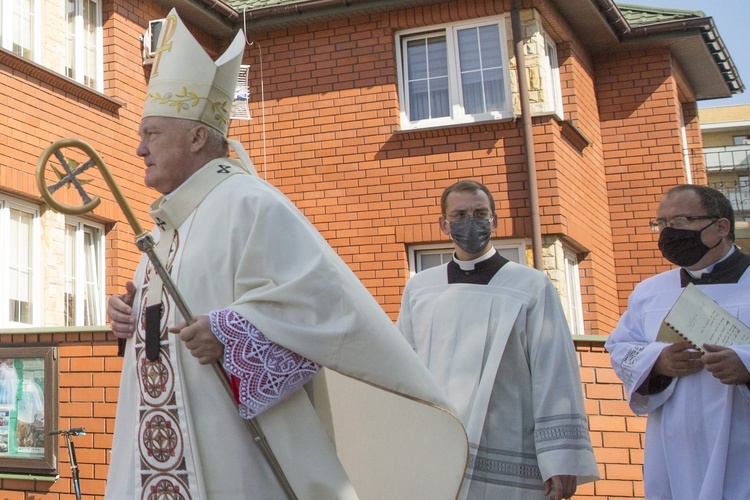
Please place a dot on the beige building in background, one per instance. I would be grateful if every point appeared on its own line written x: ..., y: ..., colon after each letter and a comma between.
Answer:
x: 726, y: 150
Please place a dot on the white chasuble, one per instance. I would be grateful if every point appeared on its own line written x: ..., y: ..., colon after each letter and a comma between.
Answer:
x: 244, y: 246
x: 503, y: 354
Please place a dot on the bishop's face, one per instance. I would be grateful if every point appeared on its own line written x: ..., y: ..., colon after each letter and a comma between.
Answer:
x: 165, y: 149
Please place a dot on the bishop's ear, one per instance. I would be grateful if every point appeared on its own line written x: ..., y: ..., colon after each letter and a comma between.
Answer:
x: 198, y: 138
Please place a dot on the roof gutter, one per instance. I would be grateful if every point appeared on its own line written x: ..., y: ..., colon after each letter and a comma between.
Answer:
x: 299, y: 8
x: 711, y: 37
x: 222, y: 10
x: 613, y: 16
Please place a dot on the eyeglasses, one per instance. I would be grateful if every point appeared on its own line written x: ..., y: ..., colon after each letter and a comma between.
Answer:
x: 677, y: 222
x: 463, y: 214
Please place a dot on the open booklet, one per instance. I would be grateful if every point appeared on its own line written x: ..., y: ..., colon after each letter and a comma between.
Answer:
x: 699, y: 320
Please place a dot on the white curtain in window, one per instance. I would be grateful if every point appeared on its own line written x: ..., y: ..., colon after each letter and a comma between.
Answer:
x: 70, y: 275
x: 427, y: 77
x: 90, y: 22
x: 481, y: 66
x: 20, y: 273
x: 92, y: 307
x: 23, y: 27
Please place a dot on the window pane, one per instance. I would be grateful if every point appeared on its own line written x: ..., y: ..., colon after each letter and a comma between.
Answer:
x: 493, y: 86
x: 419, y: 104
x: 82, y: 53
x: 437, y: 58
x: 489, y: 41
x: 70, y: 278
x: 20, y: 273
x: 575, y: 308
x: 23, y: 23
x: 417, y: 56
x: 439, y: 100
x: 70, y: 41
x: 472, y: 92
x: 90, y: 11
x: 91, y: 255
x: 481, y: 69
x: 427, y: 260
x: 427, y: 81
x: 468, y: 49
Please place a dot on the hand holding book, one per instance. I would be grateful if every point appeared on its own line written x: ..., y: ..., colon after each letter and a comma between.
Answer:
x: 697, y: 319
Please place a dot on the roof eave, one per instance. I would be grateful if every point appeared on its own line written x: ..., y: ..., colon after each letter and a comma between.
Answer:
x: 700, y: 51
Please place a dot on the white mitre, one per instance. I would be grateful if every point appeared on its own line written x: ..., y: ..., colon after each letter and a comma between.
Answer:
x: 186, y: 83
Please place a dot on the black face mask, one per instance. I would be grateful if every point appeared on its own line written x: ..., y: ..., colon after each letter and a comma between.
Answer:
x: 471, y: 234
x: 683, y: 247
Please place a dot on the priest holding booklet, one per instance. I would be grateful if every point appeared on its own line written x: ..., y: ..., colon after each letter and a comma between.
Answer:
x: 698, y: 405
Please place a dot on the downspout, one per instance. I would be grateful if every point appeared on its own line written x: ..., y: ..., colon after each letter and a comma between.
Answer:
x: 528, y: 137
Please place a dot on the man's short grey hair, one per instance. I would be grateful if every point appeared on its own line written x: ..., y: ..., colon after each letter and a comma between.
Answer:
x: 216, y: 142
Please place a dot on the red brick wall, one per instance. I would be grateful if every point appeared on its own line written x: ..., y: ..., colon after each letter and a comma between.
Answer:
x: 639, y: 110
x: 89, y: 380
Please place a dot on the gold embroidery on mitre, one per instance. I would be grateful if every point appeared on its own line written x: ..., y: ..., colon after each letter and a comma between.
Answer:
x: 165, y: 43
x: 186, y: 99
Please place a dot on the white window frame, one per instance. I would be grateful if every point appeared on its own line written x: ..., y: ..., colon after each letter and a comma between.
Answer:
x: 512, y: 249
x: 574, y: 304
x: 79, y: 35
x: 552, y: 84
x: 7, y: 18
x: 457, y: 114
x: 80, y: 275
x: 39, y: 30
x: 6, y: 204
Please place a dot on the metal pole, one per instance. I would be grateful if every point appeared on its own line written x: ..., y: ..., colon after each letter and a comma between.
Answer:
x: 77, y: 431
x: 528, y: 137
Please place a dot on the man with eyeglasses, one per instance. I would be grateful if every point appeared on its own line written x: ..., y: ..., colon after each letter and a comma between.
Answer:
x: 494, y: 335
x: 698, y: 405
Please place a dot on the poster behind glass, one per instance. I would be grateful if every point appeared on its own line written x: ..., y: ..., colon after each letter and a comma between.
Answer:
x: 22, y: 407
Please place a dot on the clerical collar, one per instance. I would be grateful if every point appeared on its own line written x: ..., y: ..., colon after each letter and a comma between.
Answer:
x: 728, y: 270
x: 468, y: 265
x: 697, y: 274
x: 484, y: 269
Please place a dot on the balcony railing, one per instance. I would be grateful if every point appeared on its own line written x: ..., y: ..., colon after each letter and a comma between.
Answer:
x: 728, y: 169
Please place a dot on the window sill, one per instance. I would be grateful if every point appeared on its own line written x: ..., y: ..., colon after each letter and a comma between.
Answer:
x: 596, y: 339
x: 58, y: 81
x: 570, y: 132
x: 34, y: 330
x: 453, y: 124
x: 29, y: 477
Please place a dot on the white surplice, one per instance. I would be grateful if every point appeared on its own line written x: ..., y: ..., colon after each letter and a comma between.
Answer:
x: 698, y: 430
x: 504, y: 356
x: 242, y: 245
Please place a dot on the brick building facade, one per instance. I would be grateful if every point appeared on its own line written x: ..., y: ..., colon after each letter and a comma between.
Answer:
x: 339, y: 129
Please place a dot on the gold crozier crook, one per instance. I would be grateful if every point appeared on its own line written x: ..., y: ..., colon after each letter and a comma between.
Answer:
x: 145, y: 243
